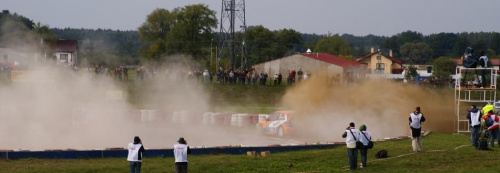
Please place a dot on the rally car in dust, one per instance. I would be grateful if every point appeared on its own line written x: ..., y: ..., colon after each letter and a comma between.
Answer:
x: 279, y: 123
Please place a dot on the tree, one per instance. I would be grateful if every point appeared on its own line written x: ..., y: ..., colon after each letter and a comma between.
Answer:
x: 461, y: 44
x: 183, y: 30
x: 419, y: 53
x: 288, y: 42
x: 442, y: 44
x: 495, y: 43
x: 409, y: 37
x: 333, y: 45
x: 192, y: 31
x: 443, y: 67
x: 411, y: 72
x: 260, y: 44
x: 44, y: 33
x: 154, y: 31
x: 15, y: 30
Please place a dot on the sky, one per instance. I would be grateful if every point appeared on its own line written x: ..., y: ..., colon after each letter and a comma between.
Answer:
x: 357, y: 17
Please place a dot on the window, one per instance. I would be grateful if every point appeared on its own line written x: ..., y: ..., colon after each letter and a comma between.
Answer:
x: 380, y: 66
x: 63, y: 57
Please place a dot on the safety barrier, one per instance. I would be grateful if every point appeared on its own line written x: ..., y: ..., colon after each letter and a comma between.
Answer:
x: 152, y: 152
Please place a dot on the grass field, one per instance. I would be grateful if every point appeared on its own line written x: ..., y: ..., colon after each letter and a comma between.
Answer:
x: 442, y: 153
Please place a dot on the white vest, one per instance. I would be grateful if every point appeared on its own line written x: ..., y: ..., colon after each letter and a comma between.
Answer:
x: 349, y: 139
x: 415, y: 120
x: 363, y: 139
x: 133, y: 152
x: 180, y: 153
x: 474, y: 118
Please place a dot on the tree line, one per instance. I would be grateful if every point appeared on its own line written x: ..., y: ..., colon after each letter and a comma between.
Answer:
x: 192, y: 30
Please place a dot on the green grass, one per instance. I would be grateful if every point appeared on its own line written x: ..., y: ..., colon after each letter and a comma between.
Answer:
x: 440, y: 155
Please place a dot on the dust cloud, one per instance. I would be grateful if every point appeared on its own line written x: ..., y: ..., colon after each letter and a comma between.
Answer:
x: 324, y: 109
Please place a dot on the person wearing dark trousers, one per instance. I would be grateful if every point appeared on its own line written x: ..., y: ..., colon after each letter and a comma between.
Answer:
x: 351, y: 136
x: 493, y: 128
x: 134, y: 158
x: 483, y: 62
x: 474, y: 117
x: 181, y: 150
x: 416, y: 119
x: 364, y: 137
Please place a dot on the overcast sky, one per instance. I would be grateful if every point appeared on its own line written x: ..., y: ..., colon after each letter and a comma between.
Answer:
x: 357, y: 17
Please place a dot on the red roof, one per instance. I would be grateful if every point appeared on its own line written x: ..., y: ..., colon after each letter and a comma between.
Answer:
x: 65, y: 46
x: 494, y: 62
x: 332, y: 59
x: 394, y: 60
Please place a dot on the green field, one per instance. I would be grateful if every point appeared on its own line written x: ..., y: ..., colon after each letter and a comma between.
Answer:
x: 442, y: 153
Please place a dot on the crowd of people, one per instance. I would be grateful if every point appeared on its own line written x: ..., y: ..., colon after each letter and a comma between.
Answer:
x: 483, y: 126
x: 253, y: 77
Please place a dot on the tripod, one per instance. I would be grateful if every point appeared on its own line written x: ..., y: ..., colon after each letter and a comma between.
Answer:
x: 468, y: 76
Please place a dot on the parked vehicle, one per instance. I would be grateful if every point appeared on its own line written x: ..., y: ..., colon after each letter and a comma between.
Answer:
x: 279, y: 123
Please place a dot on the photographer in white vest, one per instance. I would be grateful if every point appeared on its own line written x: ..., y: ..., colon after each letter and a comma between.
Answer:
x: 416, y: 119
x: 181, y: 150
x: 351, y: 136
x: 135, y: 150
x: 474, y: 117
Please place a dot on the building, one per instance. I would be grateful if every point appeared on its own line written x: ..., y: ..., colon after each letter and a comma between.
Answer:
x: 310, y: 63
x: 380, y: 65
x: 65, y: 52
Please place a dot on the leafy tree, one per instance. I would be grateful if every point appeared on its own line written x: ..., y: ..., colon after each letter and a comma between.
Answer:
x: 409, y: 37
x: 288, y: 42
x: 333, y: 45
x: 182, y: 30
x: 6, y: 16
x: 495, y: 43
x: 443, y: 67
x: 411, y: 72
x: 260, y: 44
x: 153, y: 33
x: 43, y: 31
x: 419, y: 53
x: 192, y: 31
x: 442, y: 44
x: 15, y: 30
x: 461, y: 44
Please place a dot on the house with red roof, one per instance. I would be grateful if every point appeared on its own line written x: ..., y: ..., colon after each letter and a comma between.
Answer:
x: 65, y: 52
x: 379, y: 63
x: 310, y: 63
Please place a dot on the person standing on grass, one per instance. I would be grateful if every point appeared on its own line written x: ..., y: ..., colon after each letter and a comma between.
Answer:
x: 352, y: 136
x: 474, y: 117
x: 493, y: 128
x: 364, y: 137
x: 181, y: 151
x: 134, y: 158
x: 416, y: 119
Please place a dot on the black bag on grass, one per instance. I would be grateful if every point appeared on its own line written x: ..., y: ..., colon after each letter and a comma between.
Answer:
x: 482, y: 144
x: 381, y: 154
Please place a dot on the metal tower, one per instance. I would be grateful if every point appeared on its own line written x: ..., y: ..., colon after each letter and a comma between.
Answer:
x: 232, y: 44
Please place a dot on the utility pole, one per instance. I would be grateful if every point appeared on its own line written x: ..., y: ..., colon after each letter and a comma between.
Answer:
x: 232, y: 11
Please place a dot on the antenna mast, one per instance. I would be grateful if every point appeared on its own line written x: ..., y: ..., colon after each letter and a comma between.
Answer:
x: 232, y: 44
